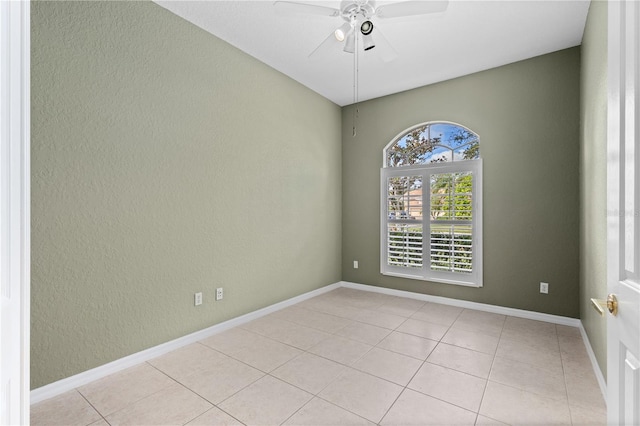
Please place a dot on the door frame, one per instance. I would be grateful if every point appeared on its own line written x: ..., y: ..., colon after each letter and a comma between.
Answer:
x: 15, y: 202
x: 622, y: 116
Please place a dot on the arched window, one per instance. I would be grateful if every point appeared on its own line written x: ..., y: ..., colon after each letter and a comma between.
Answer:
x: 432, y: 143
x: 431, y: 205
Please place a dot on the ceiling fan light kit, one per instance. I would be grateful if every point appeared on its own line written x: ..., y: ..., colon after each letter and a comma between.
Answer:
x: 341, y: 33
x: 350, y: 44
x: 367, y: 39
x: 366, y: 28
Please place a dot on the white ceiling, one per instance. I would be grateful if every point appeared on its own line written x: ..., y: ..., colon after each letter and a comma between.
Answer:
x: 470, y: 36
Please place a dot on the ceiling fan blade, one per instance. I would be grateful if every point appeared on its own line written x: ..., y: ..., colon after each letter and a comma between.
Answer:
x: 410, y: 8
x: 383, y: 48
x: 287, y: 7
x: 325, y: 47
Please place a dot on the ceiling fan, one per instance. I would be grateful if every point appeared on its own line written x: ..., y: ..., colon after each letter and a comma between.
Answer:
x: 359, y: 17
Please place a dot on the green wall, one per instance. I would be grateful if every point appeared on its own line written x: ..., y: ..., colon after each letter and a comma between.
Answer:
x: 166, y: 162
x: 593, y: 177
x: 527, y: 116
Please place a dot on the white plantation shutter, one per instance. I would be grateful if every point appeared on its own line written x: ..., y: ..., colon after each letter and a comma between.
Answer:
x: 404, y: 247
x: 431, y: 222
x: 451, y: 221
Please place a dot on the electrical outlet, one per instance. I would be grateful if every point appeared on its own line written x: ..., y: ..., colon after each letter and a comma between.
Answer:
x: 219, y: 293
x: 355, y: 264
x: 197, y: 299
x: 544, y: 288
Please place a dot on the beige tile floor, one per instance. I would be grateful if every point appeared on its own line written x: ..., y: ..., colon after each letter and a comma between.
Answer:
x: 351, y: 357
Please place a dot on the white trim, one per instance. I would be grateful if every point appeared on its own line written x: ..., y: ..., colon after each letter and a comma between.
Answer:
x: 432, y: 279
x: 520, y: 313
x: 594, y: 362
x: 64, y: 385
x: 15, y: 211
x: 88, y: 376
x: 25, y: 286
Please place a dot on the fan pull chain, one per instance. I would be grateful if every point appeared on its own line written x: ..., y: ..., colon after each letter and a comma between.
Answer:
x: 355, y: 85
x: 355, y: 117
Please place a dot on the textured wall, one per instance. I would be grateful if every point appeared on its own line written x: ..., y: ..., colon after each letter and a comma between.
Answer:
x: 593, y: 177
x: 166, y: 162
x: 527, y: 116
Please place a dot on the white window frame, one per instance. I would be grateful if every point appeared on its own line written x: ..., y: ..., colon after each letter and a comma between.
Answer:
x: 473, y: 279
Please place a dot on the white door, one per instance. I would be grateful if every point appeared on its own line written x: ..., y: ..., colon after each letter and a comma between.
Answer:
x: 14, y: 212
x: 623, y: 215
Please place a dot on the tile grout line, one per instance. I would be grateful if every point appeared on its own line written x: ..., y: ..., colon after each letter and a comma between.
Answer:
x: 358, y: 359
x: 452, y: 369
x: 449, y: 327
x: 535, y: 366
x: 298, y: 410
x: 495, y: 354
x: 191, y: 390
x: 303, y: 351
x: 135, y: 401
x: 352, y: 365
x: 564, y: 377
x: 214, y: 406
x: 376, y: 346
x: 92, y: 406
x: 423, y: 361
x: 405, y: 387
x: 317, y: 395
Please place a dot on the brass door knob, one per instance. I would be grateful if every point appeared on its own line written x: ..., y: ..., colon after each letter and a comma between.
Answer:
x: 611, y: 304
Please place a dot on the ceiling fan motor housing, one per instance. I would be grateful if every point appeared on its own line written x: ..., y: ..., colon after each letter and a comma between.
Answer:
x: 351, y: 8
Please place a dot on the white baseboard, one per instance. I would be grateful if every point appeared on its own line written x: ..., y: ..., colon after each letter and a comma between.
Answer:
x: 555, y: 319
x: 70, y: 383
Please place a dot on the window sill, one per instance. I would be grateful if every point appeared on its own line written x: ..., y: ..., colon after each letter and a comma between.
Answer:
x: 434, y: 280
